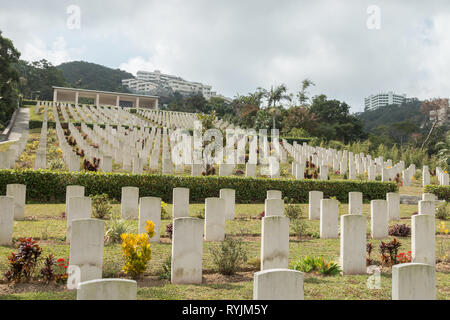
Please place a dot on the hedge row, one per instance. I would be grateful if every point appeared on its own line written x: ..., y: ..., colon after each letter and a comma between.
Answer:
x: 50, y: 186
x: 442, y: 192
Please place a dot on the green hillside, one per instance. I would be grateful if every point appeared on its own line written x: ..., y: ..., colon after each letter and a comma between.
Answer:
x: 86, y: 75
x: 391, y: 114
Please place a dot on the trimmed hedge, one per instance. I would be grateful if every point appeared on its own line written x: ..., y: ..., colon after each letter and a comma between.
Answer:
x: 50, y: 186
x: 33, y: 124
x: 442, y: 192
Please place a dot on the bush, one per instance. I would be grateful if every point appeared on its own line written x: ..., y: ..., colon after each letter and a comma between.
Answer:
x: 299, y: 227
x: 48, y: 270
x: 317, y: 265
x: 169, y: 230
x: 442, y: 192
x: 101, y: 209
x: 442, y: 211
x: 114, y: 230
x: 399, y: 230
x: 23, y: 263
x: 50, y: 186
x: 166, y: 269
x: 137, y: 252
x: 389, y: 252
x: 293, y: 211
x: 165, y: 215
x: 229, y: 255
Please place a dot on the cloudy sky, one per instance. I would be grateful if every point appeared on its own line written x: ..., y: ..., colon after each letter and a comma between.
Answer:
x: 237, y: 46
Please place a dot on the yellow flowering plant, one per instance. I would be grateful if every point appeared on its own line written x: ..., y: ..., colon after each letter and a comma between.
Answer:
x: 443, y: 253
x: 136, y: 251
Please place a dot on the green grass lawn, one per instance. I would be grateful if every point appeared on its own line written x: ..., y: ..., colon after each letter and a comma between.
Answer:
x: 45, y: 223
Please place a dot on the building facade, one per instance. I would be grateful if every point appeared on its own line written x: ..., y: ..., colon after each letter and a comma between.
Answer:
x: 146, y: 81
x: 376, y: 101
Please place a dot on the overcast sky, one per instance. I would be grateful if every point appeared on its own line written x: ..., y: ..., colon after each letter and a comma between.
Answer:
x: 237, y: 46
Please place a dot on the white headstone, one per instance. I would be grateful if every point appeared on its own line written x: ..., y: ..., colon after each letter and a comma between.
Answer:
x: 129, y: 203
x: 107, y: 289
x: 278, y: 284
x: 187, y: 250
x: 150, y: 210
x: 329, y: 215
x: 413, y: 281
x: 275, y: 243
x: 353, y: 244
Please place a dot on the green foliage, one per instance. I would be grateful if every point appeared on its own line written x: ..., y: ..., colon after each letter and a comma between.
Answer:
x: 23, y: 263
x: 85, y: 75
x: 9, y: 80
x: 166, y: 269
x: 49, y: 186
x: 37, y: 79
x: 200, y: 214
x: 292, y: 211
x: 299, y: 227
x: 442, y: 192
x: 114, y: 229
x: 317, y: 265
x: 101, y: 209
x: 443, y: 211
x: 229, y: 255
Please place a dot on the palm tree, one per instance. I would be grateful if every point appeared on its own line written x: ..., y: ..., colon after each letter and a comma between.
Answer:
x: 275, y: 95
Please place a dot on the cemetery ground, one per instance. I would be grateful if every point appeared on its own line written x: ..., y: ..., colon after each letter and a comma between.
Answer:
x: 46, y: 224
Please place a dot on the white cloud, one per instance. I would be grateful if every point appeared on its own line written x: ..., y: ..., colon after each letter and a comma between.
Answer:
x: 56, y: 53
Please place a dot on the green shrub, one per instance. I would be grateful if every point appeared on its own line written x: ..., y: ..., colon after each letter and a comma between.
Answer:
x: 442, y: 192
x: 317, y: 265
x: 229, y: 255
x: 115, y: 228
x: 101, y: 209
x: 166, y: 269
x: 292, y: 211
x: 299, y: 227
x: 50, y: 186
x: 443, y: 211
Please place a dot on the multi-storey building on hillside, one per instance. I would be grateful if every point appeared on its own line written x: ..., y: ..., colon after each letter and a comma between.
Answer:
x: 147, y: 81
x: 376, y: 101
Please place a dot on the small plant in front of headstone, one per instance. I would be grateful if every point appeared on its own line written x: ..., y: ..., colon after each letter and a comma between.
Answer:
x: 443, y: 211
x: 23, y: 263
x: 399, y: 230
x: 169, y: 230
x: 136, y: 251
x: 200, y: 214
x: 404, y: 257
x: 166, y: 267
x: 164, y: 212
x: 299, y: 227
x: 292, y: 211
x: 317, y: 265
x: 261, y: 215
x: 115, y: 228
x: 101, y: 208
x: 389, y: 252
x: 48, y: 270
x: 229, y: 255
x: 369, y: 248
x: 442, y: 252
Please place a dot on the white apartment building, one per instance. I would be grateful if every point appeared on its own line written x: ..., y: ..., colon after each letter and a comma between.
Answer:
x: 376, y: 101
x: 137, y: 85
x: 149, y: 80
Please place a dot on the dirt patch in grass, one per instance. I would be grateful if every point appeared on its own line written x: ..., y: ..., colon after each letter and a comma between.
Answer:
x: 6, y: 288
x: 217, y: 278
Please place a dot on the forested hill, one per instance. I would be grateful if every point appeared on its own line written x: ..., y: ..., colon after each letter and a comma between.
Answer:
x: 388, y: 115
x: 86, y: 75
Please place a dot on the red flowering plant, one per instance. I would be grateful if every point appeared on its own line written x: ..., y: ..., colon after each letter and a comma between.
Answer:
x: 61, y: 274
x: 404, y: 257
x: 261, y: 215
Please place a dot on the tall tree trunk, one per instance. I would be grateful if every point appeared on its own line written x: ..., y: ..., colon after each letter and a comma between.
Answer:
x: 429, y: 134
